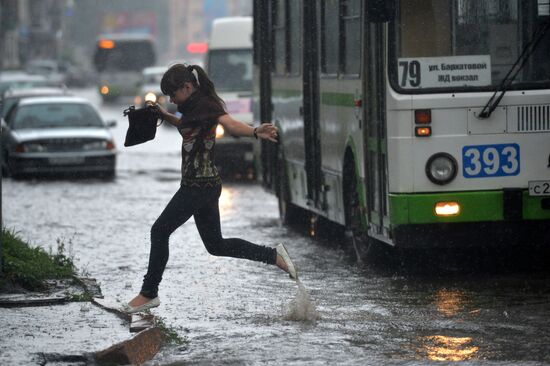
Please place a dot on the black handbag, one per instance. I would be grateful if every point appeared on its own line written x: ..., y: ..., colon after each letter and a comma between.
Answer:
x: 142, y: 124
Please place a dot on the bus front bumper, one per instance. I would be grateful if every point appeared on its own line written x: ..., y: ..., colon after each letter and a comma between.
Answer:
x: 508, y: 216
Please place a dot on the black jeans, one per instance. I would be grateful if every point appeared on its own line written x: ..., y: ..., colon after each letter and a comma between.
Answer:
x: 203, y: 205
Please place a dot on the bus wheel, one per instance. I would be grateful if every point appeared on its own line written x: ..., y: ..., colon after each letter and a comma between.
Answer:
x: 355, y: 237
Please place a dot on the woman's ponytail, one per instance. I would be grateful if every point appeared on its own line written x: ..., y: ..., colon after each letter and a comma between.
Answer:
x: 204, y: 83
x: 178, y: 74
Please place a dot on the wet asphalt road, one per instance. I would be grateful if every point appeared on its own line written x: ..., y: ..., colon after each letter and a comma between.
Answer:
x: 479, y: 309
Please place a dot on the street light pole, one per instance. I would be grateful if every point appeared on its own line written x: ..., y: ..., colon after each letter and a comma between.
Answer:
x: 2, y: 33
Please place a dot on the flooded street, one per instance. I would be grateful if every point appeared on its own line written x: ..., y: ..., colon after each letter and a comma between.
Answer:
x: 236, y: 312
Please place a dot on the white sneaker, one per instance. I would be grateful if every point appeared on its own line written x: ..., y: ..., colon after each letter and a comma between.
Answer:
x: 138, y: 309
x: 281, y: 250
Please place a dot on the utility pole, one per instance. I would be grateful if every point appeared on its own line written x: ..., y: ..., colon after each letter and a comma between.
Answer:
x: 8, y: 23
x: 2, y: 32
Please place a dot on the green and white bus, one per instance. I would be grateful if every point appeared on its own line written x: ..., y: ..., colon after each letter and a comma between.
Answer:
x: 119, y: 60
x: 415, y: 123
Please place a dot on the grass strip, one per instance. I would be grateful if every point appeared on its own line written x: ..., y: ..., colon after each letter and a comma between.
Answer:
x: 30, y: 267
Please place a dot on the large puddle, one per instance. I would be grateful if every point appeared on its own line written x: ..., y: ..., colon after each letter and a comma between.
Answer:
x: 235, y: 312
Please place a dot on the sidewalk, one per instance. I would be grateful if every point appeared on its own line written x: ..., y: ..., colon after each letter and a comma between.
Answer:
x: 50, y: 328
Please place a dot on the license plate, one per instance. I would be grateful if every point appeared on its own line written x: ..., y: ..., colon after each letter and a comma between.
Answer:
x: 69, y: 160
x: 539, y: 188
x: 487, y: 161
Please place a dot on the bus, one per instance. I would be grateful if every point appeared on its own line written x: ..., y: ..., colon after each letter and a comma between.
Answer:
x: 119, y: 60
x: 418, y: 123
x: 229, y: 66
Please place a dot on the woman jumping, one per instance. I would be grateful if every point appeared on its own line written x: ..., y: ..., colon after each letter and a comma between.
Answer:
x: 201, y: 110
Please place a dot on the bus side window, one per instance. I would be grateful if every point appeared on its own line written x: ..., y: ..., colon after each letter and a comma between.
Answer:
x: 330, y: 36
x: 351, y: 55
x: 280, y: 45
x: 295, y: 38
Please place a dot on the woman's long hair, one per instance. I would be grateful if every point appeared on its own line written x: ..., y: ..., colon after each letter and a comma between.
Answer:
x: 178, y: 74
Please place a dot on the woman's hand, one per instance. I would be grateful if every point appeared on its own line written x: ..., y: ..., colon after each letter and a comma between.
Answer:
x: 160, y: 110
x: 267, y: 131
x: 167, y: 116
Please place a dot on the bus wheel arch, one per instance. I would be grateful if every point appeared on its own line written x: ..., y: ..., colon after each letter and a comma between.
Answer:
x: 356, y: 238
x: 288, y: 212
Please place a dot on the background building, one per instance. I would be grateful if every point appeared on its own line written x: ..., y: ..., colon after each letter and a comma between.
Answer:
x: 66, y: 30
x: 31, y: 29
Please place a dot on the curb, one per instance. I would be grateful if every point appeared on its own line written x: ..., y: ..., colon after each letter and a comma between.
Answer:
x: 143, y: 346
x: 137, y: 350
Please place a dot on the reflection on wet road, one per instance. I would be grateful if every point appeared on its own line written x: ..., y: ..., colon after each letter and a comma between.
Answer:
x: 236, y: 312
x: 442, y: 348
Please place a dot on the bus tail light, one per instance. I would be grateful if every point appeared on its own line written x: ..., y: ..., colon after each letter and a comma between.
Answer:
x: 198, y: 47
x: 423, y: 119
x: 423, y: 131
x: 423, y: 116
x: 447, y: 208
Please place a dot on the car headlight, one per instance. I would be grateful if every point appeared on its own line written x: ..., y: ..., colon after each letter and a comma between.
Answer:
x: 441, y: 168
x: 150, y: 97
x: 34, y: 148
x: 219, y: 131
x: 95, y: 145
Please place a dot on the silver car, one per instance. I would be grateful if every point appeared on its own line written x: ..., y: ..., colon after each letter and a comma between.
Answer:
x: 14, y: 95
x: 56, y: 134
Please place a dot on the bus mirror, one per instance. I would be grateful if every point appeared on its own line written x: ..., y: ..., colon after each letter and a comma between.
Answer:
x: 380, y: 11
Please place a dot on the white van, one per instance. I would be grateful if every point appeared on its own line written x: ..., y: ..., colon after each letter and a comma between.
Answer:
x: 229, y: 66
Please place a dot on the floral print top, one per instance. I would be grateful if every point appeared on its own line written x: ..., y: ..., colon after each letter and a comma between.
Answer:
x: 198, y: 130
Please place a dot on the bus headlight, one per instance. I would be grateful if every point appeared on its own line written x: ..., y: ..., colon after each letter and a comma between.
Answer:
x: 150, y: 97
x: 441, y: 168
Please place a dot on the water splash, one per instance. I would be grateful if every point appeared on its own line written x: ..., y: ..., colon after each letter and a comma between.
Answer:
x: 301, y: 308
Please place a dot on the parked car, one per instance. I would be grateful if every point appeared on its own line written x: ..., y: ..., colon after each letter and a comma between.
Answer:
x: 55, y: 135
x: 19, y: 79
x: 149, y: 89
x: 12, y: 96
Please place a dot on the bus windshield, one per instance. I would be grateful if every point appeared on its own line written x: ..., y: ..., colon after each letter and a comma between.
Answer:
x: 464, y: 45
x: 231, y: 69
x: 124, y: 55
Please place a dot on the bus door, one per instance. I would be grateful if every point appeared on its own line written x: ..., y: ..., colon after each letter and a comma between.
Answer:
x: 262, y: 58
x: 375, y: 133
x: 310, y: 107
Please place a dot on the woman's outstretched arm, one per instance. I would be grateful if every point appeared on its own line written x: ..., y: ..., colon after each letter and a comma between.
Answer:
x: 236, y: 128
